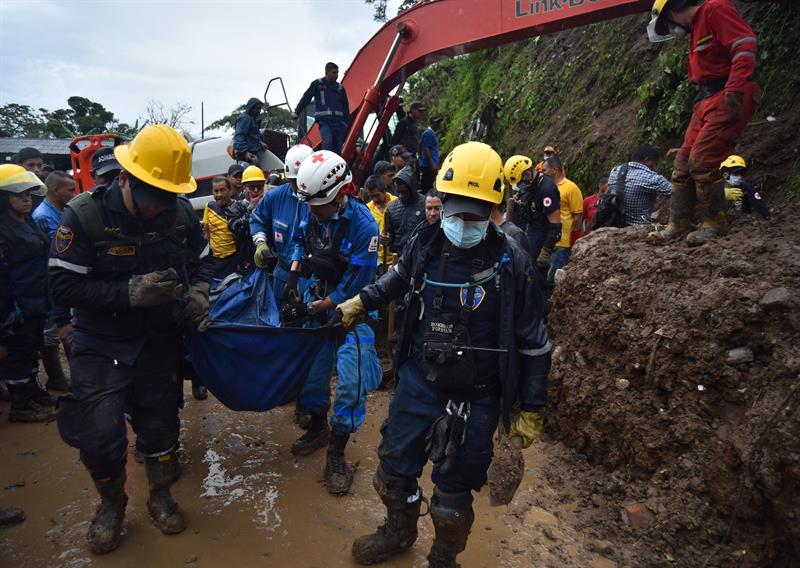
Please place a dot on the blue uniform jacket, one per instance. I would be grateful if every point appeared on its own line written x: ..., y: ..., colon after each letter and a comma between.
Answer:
x: 330, y: 99
x: 277, y: 220
x: 93, y: 279
x: 359, y: 245
x: 247, y: 131
x: 23, y: 272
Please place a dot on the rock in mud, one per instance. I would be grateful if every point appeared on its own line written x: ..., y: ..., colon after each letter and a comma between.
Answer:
x: 776, y: 297
x: 11, y: 516
x: 637, y: 516
x: 601, y: 547
x: 506, y: 471
x: 739, y: 356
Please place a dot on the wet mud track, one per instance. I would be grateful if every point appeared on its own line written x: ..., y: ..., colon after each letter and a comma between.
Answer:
x: 248, y: 501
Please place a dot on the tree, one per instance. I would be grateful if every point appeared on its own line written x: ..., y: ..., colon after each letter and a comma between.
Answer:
x: 21, y: 121
x: 276, y: 118
x: 175, y: 116
x: 379, y: 7
x: 81, y: 117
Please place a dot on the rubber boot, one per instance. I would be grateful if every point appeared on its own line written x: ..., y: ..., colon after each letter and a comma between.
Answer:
x: 105, y: 529
x: 41, y: 396
x: 403, y: 500
x: 199, y: 390
x: 302, y: 417
x: 452, y: 517
x: 710, y: 229
x: 51, y: 360
x: 24, y: 406
x: 338, y: 472
x: 317, y: 436
x: 666, y: 234
x: 166, y: 514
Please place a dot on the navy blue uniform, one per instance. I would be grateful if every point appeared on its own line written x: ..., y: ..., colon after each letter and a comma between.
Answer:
x: 332, y: 111
x: 538, y: 199
x: 124, y: 360
x: 356, y: 359
x: 247, y: 131
x: 752, y: 200
x: 24, y: 302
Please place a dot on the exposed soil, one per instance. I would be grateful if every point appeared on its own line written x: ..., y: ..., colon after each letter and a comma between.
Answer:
x: 678, y: 371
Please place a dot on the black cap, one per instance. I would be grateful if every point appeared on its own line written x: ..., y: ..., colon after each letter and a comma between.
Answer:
x: 400, y: 150
x: 418, y: 105
x: 381, y: 167
x: 144, y: 194
x: 235, y: 170
x: 104, y: 161
x: 455, y: 204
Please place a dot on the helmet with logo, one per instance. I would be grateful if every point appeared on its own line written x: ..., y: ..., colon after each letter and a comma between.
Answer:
x: 321, y: 176
x: 471, y: 180
x: 659, y: 27
x: 160, y: 157
x: 16, y: 179
x: 516, y: 166
x: 733, y: 162
x: 253, y: 173
x: 295, y: 157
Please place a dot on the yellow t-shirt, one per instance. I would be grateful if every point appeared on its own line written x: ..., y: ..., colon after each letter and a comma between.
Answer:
x: 220, y: 238
x: 379, y: 219
x: 571, y: 204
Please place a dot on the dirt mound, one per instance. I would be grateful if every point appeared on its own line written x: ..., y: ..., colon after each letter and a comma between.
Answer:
x: 678, y: 370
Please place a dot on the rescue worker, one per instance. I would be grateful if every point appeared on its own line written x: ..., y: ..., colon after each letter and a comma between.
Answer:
x: 472, y: 347
x: 121, y: 259
x: 253, y: 181
x: 105, y: 167
x: 746, y: 195
x: 57, y: 327
x: 275, y: 227
x: 247, y: 142
x: 722, y: 60
x: 536, y: 207
x: 340, y: 254
x: 332, y: 108
x: 24, y: 301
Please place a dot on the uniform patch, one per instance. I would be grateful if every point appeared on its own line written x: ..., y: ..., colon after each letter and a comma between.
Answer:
x: 278, y: 237
x: 373, y: 244
x: 757, y: 195
x: 64, y: 237
x: 121, y: 251
x: 477, y: 298
x: 547, y: 202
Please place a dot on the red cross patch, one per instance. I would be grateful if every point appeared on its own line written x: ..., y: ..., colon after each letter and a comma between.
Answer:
x: 297, y: 163
x: 317, y: 158
x: 303, y: 186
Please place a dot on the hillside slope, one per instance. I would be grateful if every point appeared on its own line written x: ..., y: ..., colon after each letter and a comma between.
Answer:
x: 599, y: 91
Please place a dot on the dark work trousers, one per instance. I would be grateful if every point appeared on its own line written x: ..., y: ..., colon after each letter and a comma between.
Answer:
x: 92, y: 416
x: 427, y: 180
x: 333, y: 135
x: 415, y: 407
x: 21, y: 366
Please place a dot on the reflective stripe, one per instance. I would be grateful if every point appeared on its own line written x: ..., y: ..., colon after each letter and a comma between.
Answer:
x: 19, y: 381
x: 206, y: 251
x: 743, y: 54
x: 259, y: 238
x: 702, y: 47
x: 58, y: 263
x: 739, y: 42
x: 536, y: 352
x: 324, y: 113
x: 158, y: 454
x: 322, y: 96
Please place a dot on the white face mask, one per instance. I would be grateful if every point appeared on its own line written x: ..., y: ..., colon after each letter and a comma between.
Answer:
x: 678, y: 31
x: 734, y: 180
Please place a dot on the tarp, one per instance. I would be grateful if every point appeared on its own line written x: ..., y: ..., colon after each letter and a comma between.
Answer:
x: 243, y: 358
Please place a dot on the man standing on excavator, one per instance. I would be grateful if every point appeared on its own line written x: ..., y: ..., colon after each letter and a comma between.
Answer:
x: 722, y: 60
x: 332, y: 108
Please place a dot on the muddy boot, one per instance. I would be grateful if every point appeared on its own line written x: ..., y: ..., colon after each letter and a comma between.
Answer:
x: 302, y: 417
x: 403, y: 499
x: 317, y: 436
x: 199, y: 390
x: 41, y: 396
x: 25, y: 407
x: 338, y: 472
x: 5, y: 396
x: 665, y: 235
x: 166, y: 514
x: 710, y: 229
x: 452, y: 517
x: 105, y: 529
x: 51, y: 359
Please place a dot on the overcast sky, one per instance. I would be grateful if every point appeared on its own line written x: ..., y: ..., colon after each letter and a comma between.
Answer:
x: 121, y: 53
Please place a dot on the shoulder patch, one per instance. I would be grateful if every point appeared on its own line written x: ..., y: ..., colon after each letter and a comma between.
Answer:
x: 373, y: 244
x: 63, y: 239
x: 547, y: 202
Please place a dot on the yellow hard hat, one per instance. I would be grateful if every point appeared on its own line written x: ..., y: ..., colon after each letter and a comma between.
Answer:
x: 16, y: 179
x: 733, y: 162
x: 253, y: 173
x: 472, y: 170
x: 515, y: 167
x: 159, y: 156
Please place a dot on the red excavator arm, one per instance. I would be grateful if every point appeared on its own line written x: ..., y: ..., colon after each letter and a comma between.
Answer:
x: 435, y: 29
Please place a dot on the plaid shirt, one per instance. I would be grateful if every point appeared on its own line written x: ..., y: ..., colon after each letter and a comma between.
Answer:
x: 642, y: 186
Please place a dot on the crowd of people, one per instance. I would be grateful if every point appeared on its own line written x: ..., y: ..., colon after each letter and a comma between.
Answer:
x: 463, y: 248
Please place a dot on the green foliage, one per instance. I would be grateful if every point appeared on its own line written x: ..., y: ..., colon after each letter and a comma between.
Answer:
x: 276, y: 118
x: 380, y: 7
x: 665, y: 98
x: 81, y: 117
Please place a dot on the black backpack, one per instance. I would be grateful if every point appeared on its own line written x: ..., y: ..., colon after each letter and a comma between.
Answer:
x: 611, y: 206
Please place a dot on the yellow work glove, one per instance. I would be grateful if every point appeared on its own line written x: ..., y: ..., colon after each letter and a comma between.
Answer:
x: 528, y: 426
x: 350, y: 311
x: 543, y: 260
x: 262, y: 255
x: 733, y: 194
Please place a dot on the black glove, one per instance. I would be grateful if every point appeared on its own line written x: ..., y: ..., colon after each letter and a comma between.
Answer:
x: 154, y: 288
x: 294, y: 312
x: 291, y: 291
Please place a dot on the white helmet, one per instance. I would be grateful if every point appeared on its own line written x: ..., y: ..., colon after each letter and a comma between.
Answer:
x: 295, y: 157
x: 321, y: 176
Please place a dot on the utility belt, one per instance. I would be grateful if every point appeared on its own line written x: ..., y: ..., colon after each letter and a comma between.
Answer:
x: 713, y: 86
x: 482, y: 385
